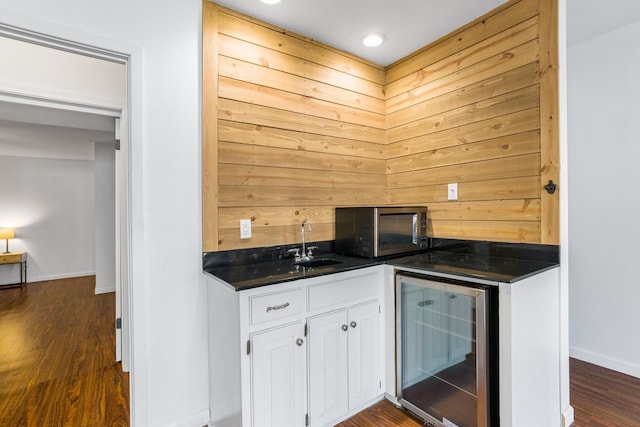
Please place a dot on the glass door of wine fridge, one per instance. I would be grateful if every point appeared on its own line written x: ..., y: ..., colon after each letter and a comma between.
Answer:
x: 442, y: 357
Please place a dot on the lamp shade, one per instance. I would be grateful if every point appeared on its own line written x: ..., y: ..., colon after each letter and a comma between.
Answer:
x: 7, y: 233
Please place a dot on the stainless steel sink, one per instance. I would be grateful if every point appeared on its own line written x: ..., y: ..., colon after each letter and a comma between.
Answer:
x: 320, y: 262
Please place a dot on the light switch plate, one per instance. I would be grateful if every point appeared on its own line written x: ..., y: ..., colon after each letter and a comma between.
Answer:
x: 245, y: 228
x: 453, y: 191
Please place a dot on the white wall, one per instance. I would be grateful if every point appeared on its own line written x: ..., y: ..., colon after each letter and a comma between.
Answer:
x: 49, y: 197
x: 75, y: 78
x: 604, y: 155
x: 105, y: 217
x: 169, y: 380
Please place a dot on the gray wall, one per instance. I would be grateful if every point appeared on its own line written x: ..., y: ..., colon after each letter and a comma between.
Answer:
x: 604, y: 207
x: 50, y: 199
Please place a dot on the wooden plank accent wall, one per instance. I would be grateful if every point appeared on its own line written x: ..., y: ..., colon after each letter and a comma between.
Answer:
x: 300, y: 130
x: 293, y: 128
x: 467, y: 109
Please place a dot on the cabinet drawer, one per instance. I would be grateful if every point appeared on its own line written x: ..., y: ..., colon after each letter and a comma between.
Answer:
x: 10, y: 258
x: 276, y: 305
x: 343, y: 291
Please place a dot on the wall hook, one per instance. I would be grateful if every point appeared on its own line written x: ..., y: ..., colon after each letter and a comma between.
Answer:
x: 551, y: 187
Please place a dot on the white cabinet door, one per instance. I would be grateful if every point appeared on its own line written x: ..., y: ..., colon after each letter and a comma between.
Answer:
x: 364, y: 353
x: 278, y: 377
x: 328, y: 381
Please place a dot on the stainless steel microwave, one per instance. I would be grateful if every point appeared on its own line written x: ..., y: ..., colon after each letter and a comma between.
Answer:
x: 373, y: 232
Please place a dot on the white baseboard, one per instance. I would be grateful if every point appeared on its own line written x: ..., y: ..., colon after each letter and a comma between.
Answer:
x: 625, y: 367
x: 59, y: 276
x: 567, y: 417
x: 234, y: 420
x: 105, y: 290
x: 198, y: 420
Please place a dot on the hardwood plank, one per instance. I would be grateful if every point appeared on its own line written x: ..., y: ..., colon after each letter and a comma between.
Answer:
x: 508, y: 167
x: 289, y: 82
x: 57, y: 362
x: 259, y: 55
x: 285, y: 177
x: 276, y: 216
x: 494, y: 22
x: 263, y: 236
x: 504, y: 231
x: 486, y: 109
x: 290, y: 102
x: 495, y: 45
x: 242, y: 27
x: 266, y: 116
x: 243, y: 196
x: 498, y: 189
x: 506, y: 61
x: 382, y: 414
x: 509, y: 124
x: 491, y: 149
x: 518, y: 78
x: 484, y: 210
x: 255, y: 155
x: 602, y: 397
x: 246, y: 133
x: 599, y: 396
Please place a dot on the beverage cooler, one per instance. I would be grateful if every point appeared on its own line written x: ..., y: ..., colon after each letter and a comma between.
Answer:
x: 446, y: 353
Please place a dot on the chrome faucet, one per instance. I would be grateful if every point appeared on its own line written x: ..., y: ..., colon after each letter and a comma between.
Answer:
x: 305, y: 256
x: 307, y: 253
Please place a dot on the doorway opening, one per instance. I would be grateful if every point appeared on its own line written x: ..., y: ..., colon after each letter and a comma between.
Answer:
x: 62, y: 108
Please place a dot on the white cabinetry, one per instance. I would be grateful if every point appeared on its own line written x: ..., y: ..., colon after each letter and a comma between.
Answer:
x: 299, y: 366
x: 278, y: 377
x: 344, y: 361
x: 365, y: 378
x: 328, y: 367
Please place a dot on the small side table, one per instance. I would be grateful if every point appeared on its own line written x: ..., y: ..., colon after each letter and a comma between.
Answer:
x: 15, y: 258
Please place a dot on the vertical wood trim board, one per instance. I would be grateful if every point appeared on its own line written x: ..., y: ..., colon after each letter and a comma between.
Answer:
x: 549, y: 121
x: 293, y: 128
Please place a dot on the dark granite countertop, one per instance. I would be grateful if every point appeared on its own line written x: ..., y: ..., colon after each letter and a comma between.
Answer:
x: 246, y: 269
x: 252, y: 275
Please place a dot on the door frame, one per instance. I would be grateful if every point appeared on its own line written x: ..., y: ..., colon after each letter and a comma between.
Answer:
x: 28, y: 29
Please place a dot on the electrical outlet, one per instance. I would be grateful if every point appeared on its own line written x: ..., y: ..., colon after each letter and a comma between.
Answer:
x: 453, y: 191
x: 245, y: 228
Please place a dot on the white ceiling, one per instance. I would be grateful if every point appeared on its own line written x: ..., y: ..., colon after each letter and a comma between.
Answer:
x: 585, y: 19
x: 408, y: 24
x: 33, y: 114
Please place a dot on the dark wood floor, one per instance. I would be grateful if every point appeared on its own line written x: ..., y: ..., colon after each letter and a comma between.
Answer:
x: 57, y: 368
x: 600, y: 398
x: 57, y: 362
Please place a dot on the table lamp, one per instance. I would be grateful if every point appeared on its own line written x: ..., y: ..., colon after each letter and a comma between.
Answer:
x: 6, y: 234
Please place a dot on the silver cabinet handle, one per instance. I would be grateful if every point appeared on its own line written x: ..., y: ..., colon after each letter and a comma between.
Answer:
x: 345, y: 327
x: 299, y: 341
x: 278, y: 307
x: 354, y: 324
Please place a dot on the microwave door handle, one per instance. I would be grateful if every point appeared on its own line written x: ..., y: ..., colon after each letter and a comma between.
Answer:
x: 415, y: 229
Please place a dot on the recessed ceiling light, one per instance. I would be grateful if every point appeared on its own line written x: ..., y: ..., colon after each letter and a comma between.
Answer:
x: 373, y: 39
x: 270, y: 1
